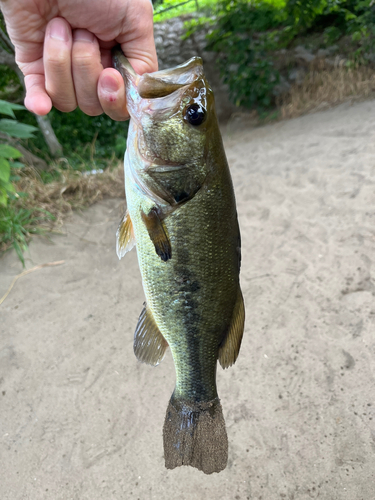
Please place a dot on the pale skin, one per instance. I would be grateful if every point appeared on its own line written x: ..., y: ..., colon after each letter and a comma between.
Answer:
x: 63, y: 48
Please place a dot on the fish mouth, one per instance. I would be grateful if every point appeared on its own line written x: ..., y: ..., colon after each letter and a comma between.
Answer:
x: 165, y: 82
x: 161, y: 93
x: 160, y: 83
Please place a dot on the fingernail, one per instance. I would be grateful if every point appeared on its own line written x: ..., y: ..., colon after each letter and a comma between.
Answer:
x: 83, y: 36
x: 109, y: 84
x: 58, y: 30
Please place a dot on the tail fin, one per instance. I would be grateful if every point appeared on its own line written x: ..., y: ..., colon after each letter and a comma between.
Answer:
x: 194, y: 434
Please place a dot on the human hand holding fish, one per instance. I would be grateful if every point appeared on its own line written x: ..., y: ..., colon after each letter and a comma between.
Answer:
x: 182, y: 217
x: 63, y: 48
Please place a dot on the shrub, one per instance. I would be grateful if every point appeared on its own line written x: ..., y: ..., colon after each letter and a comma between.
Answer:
x: 16, y: 222
x: 245, y: 35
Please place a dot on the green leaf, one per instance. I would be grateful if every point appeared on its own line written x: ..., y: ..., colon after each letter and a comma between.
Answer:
x: 16, y: 129
x: 9, y: 188
x: 19, y: 249
x: 21, y: 194
x: 7, y: 151
x: 4, y: 170
x: 17, y: 164
x: 6, y: 108
x: 3, y: 197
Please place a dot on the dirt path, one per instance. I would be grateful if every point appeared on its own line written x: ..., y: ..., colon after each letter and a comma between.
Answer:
x: 81, y: 419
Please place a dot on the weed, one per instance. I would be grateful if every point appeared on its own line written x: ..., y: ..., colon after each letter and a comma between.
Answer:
x: 17, y: 224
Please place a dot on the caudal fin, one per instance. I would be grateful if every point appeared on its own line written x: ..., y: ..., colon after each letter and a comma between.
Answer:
x: 194, y: 434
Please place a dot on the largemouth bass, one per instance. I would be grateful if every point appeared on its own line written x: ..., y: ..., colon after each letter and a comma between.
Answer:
x: 181, y: 214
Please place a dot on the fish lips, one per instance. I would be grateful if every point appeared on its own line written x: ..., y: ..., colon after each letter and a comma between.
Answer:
x: 159, y: 94
x: 163, y: 83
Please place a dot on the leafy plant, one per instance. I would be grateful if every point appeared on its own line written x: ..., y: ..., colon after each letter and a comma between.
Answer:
x: 16, y: 226
x: 248, y: 33
x: 245, y: 35
x: 8, y: 154
x: 303, y: 12
x: 16, y: 222
x: 88, y: 141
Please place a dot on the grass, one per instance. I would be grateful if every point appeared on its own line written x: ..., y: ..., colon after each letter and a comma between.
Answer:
x: 43, y: 206
x: 179, y: 10
x: 17, y: 224
x: 327, y: 87
x: 190, y: 6
x: 73, y: 190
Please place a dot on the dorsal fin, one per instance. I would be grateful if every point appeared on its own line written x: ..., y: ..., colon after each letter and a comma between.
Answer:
x: 230, y: 346
x: 125, y: 239
x: 149, y: 343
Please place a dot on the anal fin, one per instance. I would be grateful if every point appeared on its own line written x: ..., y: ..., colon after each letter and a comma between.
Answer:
x: 125, y: 239
x: 158, y: 235
x: 230, y: 346
x: 149, y: 343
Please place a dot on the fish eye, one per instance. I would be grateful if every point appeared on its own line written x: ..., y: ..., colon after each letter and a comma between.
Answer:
x: 195, y: 114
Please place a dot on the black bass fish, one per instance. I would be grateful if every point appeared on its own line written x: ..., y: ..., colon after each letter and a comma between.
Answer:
x: 181, y: 214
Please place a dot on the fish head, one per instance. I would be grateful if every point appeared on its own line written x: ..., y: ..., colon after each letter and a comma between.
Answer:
x: 173, y: 112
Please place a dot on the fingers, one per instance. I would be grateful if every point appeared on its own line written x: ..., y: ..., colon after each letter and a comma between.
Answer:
x: 37, y: 100
x: 74, y: 73
x: 58, y: 65
x: 137, y: 41
x: 86, y: 68
x: 111, y: 91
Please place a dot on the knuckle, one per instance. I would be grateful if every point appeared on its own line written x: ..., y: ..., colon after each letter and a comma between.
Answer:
x: 62, y: 101
x: 92, y: 112
x: 146, y: 6
x: 64, y: 107
x: 85, y: 58
x: 57, y: 58
x: 57, y: 65
x: 91, y: 109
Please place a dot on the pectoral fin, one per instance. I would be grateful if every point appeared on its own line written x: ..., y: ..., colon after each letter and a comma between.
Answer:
x: 158, y: 234
x: 230, y: 346
x: 149, y: 343
x: 125, y: 239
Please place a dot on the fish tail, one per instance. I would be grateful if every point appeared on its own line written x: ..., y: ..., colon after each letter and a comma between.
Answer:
x: 194, y: 434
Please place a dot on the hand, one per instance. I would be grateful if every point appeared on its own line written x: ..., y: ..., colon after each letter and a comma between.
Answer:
x: 63, y: 48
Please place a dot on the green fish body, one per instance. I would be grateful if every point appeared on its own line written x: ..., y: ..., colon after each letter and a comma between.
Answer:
x: 182, y: 216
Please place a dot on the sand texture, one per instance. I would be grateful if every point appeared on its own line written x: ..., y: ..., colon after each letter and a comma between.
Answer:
x: 82, y: 419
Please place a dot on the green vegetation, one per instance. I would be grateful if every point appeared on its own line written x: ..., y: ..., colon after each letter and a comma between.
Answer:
x: 167, y: 9
x: 9, y: 155
x: 89, y: 142
x: 16, y: 222
x: 172, y: 8
x: 248, y: 34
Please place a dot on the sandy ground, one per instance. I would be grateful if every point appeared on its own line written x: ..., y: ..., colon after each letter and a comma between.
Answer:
x: 82, y: 419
